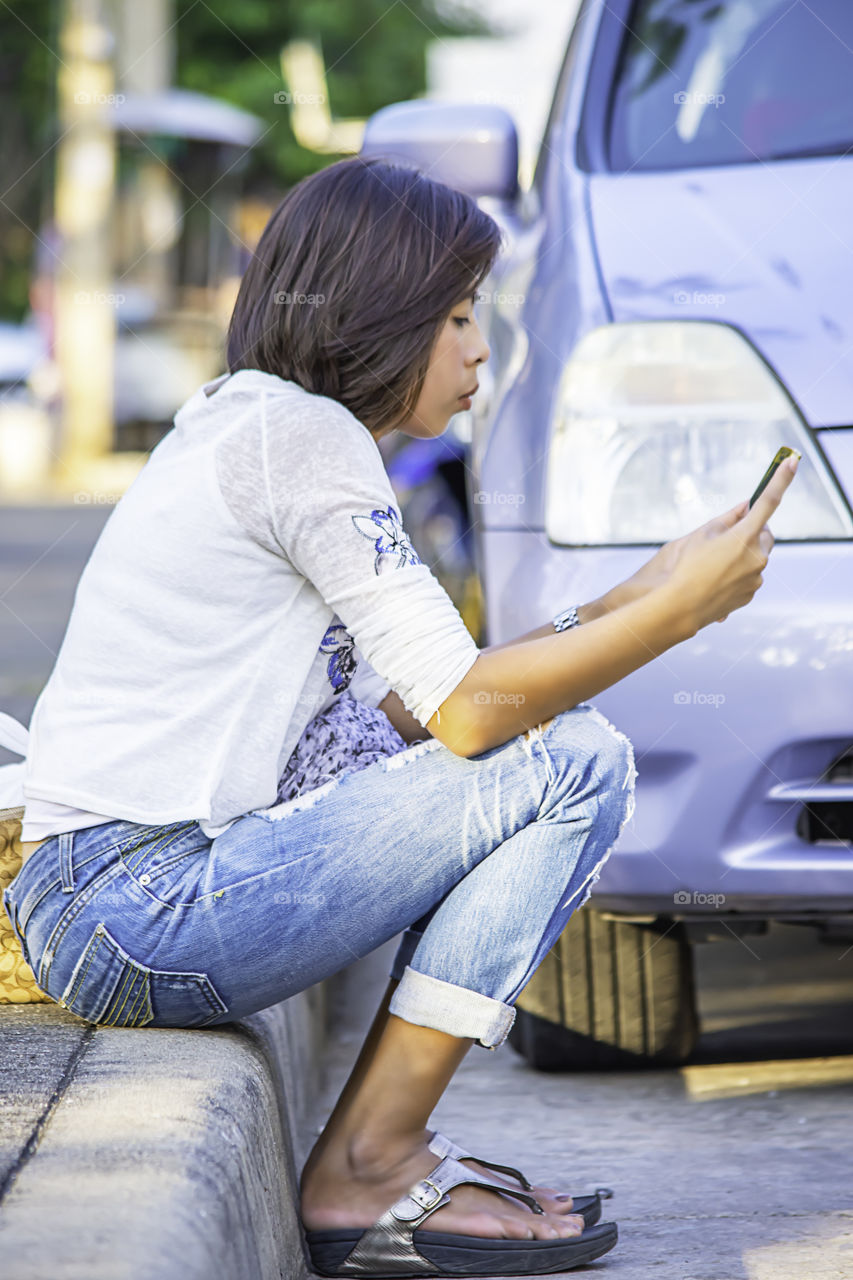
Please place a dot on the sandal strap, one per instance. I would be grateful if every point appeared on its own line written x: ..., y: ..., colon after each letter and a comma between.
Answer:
x: 388, y: 1245
x: 440, y: 1145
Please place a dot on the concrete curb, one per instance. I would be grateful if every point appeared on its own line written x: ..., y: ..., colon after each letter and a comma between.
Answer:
x: 151, y: 1154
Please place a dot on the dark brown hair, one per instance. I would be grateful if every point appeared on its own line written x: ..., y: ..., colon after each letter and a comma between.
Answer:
x: 352, y: 279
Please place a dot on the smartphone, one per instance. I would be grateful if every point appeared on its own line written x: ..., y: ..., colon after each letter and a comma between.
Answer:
x: 783, y: 453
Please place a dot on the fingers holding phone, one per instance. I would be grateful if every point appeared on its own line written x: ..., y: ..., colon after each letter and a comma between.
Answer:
x: 766, y: 498
x: 722, y: 571
x: 772, y: 486
x: 717, y: 567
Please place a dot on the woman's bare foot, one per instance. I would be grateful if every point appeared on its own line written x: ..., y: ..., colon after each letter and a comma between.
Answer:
x: 353, y: 1186
x: 552, y: 1201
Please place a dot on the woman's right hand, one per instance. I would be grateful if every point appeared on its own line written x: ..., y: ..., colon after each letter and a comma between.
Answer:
x: 717, y: 568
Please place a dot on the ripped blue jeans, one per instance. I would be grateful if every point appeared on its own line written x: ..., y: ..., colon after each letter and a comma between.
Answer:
x: 480, y: 861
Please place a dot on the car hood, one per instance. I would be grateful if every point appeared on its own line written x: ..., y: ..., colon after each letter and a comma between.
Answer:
x: 765, y: 247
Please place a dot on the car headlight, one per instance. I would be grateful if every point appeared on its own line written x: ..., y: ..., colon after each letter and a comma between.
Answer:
x: 660, y: 425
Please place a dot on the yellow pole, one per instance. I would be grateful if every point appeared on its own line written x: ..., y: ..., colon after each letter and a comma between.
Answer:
x: 85, y: 180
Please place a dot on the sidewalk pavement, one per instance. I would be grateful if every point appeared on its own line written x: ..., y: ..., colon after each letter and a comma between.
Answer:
x: 157, y: 1154
x: 723, y: 1170
x: 134, y: 1154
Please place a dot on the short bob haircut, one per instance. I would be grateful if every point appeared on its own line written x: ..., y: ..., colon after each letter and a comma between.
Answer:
x: 352, y: 280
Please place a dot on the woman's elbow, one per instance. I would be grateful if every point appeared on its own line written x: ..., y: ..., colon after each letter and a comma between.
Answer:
x: 455, y: 727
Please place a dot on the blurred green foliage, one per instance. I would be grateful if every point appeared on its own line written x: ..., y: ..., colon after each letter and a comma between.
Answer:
x: 374, y: 52
x: 28, y: 66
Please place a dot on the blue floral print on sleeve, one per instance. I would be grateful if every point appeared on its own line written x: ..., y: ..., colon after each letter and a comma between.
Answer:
x: 384, y: 528
x: 341, y: 665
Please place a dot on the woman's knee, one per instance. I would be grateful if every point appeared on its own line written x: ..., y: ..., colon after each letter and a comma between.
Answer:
x: 608, y: 751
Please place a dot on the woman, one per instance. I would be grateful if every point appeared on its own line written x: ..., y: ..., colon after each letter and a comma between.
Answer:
x: 254, y: 583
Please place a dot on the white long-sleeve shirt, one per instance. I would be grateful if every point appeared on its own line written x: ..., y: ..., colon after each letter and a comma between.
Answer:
x: 256, y: 567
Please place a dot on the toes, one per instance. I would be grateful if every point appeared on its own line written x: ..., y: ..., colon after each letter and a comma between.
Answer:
x: 555, y: 1201
x: 561, y: 1229
x: 562, y: 1225
x: 562, y: 1204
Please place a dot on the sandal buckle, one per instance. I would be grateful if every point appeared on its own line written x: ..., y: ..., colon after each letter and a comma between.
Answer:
x: 419, y: 1196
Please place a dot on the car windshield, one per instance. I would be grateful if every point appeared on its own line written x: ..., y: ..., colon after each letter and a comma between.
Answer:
x: 710, y: 82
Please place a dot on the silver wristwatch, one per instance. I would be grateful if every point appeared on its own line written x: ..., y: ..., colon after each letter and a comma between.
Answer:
x: 568, y: 618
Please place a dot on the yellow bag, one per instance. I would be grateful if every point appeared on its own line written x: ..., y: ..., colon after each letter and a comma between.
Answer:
x: 17, y: 981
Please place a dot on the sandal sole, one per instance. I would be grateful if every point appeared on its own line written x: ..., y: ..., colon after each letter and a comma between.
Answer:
x: 454, y: 1255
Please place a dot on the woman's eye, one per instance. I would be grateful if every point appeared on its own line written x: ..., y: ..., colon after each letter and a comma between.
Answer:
x: 461, y: 321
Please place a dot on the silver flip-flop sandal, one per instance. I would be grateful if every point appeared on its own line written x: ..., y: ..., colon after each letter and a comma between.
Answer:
x: 588, y: 1207
x: 391, y: 1248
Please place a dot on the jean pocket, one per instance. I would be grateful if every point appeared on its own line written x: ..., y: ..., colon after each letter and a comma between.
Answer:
x: 111, y: 989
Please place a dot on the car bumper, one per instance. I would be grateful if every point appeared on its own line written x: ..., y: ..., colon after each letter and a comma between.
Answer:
x: 733, y: 730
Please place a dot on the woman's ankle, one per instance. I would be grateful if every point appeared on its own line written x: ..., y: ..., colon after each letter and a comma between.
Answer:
x: 371, y: 1153
x: 366, y: 1154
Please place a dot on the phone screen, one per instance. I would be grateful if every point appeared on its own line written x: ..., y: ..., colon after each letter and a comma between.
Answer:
x: 783, y: 453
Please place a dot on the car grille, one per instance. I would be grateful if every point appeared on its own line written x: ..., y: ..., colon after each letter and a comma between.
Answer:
x: 827, y: 813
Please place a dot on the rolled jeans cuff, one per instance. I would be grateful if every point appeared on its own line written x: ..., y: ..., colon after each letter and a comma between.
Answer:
x: 458, y: 1011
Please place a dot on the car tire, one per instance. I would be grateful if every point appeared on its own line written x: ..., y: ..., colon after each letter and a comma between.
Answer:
x: 609, y: 994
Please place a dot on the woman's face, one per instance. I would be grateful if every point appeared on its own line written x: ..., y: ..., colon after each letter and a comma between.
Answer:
x: 458, y: 350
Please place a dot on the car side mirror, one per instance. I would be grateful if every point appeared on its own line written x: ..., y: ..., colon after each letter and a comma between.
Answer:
x: 472, y: 147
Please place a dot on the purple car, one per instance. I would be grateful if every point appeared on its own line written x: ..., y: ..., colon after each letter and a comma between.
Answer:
x: 675, y: 303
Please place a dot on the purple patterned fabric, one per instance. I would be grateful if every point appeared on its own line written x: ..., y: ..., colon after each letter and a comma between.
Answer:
x: 344, y: 738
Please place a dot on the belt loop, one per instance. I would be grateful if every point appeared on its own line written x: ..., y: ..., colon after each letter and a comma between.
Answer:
x: 66, y: 865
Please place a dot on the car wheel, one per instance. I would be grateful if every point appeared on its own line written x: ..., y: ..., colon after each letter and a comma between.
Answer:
x: 609, y: 994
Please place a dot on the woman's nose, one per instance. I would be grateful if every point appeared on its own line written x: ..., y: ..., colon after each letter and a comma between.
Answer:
x: 483, y: 352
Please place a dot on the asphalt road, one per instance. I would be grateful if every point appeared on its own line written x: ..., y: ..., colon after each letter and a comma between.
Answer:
x: 42, y: 553
x: 739, y: 1166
